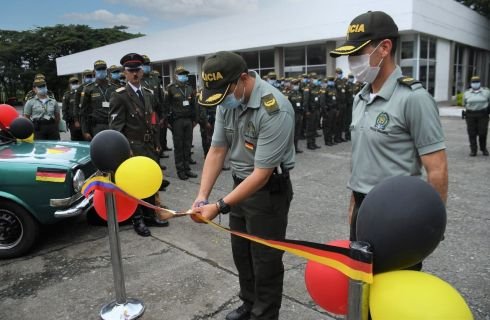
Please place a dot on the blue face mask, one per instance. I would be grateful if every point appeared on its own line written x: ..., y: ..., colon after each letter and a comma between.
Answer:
x: 88, y: 80
x: 339, y: 75
x: 115, y: 75
x: 351, y: 80
x: 277, y: 84
x: 475, y: 85
x: 295, y: 87
x: 182, y: 78
x: 330, y: 83
x: 306, y: 80
x: 231, y: 102
x: 42, y: 91
x: 100, y: 74
x: 146, y: 69
x: 316, y: 82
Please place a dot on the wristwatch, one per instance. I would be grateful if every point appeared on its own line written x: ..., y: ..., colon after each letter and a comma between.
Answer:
x: 223, y: 207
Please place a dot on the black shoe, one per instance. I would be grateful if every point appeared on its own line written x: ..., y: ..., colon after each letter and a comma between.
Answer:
x: 485, y: 152
x: 316, y: 146
x: 191, y: 174
x: 154, y: 221
x: 163, y: 167
x: 299, y: 151
x: 241, y: 313
x: 182, y: 175
x: 337, y: 140
x: 141, y: 228
x: 329, y: 143
x: 164, y: 185
x: 310, y: 147
x: 225, y: 168
x: 192, y: 161
x: 473, y: 154
x: 166, y: 148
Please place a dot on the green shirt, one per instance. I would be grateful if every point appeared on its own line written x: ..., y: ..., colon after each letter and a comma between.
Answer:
x: 477, y: 100
x: 38, y: 109
x: 259, y: 134
x: 391, y: 131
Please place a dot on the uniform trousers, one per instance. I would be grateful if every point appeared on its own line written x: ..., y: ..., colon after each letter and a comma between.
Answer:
x: 260, y: 268
x: 182, y: 137
x: 46, y: 130
x: 311, y: 125
x: 298, y: 126
x: 477, y: 125
x: 328, y: 125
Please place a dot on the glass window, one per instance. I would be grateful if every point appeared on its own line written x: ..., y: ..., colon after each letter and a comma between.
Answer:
x: 251, y: 58
x: 432, y: 49
x: 294, y: 56
x: 321, y: 71
x: 267, y: 58
x: 407, y: 49
x: 407, y: 71
x: 316, y: 54
x: 166, y: 69
x: 423, y: 48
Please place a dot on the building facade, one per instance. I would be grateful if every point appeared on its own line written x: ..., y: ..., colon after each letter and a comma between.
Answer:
x: 442, y: 43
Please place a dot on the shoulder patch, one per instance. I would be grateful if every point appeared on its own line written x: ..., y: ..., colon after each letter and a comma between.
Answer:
x: 270, y: 103
x: 121, y: 89
x: 409, y: 82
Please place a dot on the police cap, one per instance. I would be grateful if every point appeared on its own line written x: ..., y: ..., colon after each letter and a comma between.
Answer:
x: 146, y: 59
x: 73, y: 79
x: 369, y: 26
x: 219, y: 71
x: 114, y: 68
x: 87, y: 72
x: 272, y: 75
x: 475, y: 79
x: 181, y: 70
x: 39, y: 82
x: 330, y: 78
x: 39, y: 76
x: 100, y: 65
x: 338, y: 70
x: 132, y: 61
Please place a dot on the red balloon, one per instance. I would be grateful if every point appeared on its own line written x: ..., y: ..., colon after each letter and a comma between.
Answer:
x: 7, y: 114
x: 327, y: 286
x: 125, y: 206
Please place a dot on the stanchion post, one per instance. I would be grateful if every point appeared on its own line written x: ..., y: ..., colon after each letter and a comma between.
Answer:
x: 122, y: 307
x: 358, y: 297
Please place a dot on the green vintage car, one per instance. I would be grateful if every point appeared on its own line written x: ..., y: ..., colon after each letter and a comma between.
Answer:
x: 40, y: 184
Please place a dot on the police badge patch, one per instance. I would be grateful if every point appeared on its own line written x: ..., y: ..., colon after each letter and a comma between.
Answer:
x: 382, y: 121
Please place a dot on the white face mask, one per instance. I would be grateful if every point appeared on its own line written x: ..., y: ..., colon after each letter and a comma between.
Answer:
x: 362, y: 69
x: 475, y: 85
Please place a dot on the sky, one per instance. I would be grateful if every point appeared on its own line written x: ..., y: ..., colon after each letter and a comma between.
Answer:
x: 145, y: 16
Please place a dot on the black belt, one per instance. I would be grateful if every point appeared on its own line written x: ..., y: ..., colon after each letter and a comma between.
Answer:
x: 267, y: 186
x: 44, y: 121
x: 483, y: 111
x: 147, y: 137
x: 358, y: 197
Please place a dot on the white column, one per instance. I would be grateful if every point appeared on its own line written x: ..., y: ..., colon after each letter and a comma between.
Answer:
x: 444, y: 66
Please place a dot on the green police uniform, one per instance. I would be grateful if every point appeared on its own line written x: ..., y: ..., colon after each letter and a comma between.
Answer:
x: 340, y: 85
x: 476, y: 102
x: 312, y: 101
x: 94, y: 107
x: 44, y: 113
x: 329, y: 114
x: 68, y: 106
x: 180, y: 102
x: 296, y: 98
x: 350, y: 87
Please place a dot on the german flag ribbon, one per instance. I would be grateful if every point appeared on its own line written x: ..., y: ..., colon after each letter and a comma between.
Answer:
x: 338, y: 258
x: 50, y: 175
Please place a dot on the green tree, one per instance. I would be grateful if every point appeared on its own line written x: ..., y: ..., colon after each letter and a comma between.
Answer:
x: 480, y: 6
x: 23, y: 54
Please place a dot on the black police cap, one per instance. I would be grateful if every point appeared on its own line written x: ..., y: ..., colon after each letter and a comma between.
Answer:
x: 132, y: 61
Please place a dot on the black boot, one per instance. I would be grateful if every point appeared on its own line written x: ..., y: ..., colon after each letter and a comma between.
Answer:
x: 241, y: 313
x: 485, y: 152
x: 310, y: 146
x: 140, y: 227
x: 182, y: 175
x: 191, y: 174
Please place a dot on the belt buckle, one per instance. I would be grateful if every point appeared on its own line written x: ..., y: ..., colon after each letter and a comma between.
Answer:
x: 146, y: 137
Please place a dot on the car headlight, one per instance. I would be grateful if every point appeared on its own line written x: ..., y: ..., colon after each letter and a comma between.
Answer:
x: 78, y: 180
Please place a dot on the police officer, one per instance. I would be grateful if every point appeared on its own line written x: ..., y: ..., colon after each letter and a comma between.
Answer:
x: 32, y: 93
x: 329, y: 111
x: 69, y: 107
x: 180, y: 101
x: 350, y: 88
x: 395, y: 127
x: 296, y: 98
x: 94, y: 104
x: 44, y: 113
x: 340, y: 85
x: 255, y: 122
x: 115, y: 76
x: 312, y: 99
x: 476, y: 101
x: 87, y: 78
x: 204, y: 126
x: 131, y: 109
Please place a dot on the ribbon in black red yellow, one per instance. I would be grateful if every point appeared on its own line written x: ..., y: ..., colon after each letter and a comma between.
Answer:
x: 332, y: 256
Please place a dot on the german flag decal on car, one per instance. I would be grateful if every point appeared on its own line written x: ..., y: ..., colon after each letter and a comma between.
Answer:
x: 50, y: 175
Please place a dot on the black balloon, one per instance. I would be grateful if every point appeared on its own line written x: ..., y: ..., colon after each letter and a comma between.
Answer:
x: 21, y: 128
x: 404, y: 219
x: 108, y: 149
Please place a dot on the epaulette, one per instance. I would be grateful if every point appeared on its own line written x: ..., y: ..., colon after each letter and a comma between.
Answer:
x: 410, y: 82
x: 149, y: 90
x: 121, y: 89
x: 270, y: 103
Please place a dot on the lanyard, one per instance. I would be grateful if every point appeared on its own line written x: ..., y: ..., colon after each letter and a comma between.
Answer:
x: 104, y: 93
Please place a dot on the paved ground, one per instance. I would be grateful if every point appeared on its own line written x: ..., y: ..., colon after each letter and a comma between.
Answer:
x: 186, y: 271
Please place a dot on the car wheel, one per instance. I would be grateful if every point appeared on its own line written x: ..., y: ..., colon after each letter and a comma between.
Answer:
x: 18, y: 230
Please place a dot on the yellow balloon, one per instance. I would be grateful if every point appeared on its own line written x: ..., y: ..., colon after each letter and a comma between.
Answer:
x: 406, y: 295
x: 139, y: 176
x: 29, y: 139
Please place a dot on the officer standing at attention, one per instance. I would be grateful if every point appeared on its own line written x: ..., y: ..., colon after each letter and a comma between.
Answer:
x: 350, y: 87
x: 180, y: 102
x: 69, y: 108
x: 476, y: 101
x: 115, y: 76
x: 94, y: 103
x: 395, y: 127
x: 330, y: 109
x: 256, y: 123
x: 311, y: 98
x: 131, y: 109
x: 296, y: 99
x: 342, y: 105
x: 44, y: 113
x: 87, y: 78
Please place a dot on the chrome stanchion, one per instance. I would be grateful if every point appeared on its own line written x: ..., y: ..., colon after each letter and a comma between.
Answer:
x: 123, y: 307
x: 358, y: 297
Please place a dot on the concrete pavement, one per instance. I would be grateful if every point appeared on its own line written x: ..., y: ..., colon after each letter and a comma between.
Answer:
x: 186, y: 271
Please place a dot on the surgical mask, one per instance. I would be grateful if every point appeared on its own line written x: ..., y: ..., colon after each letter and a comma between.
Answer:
x: 115, y: 75
x: 316, y: 82
x: 305, y: 80
x: 231, y: 102
x: 475, y: 85
x: 146, y: 69
x: 330, y: 83
x: 182, y: 78
x: 296, y: 87
x: 74, y: 86
x: 351, y: 80
x: 271, y: 82
x: 100, y: 74
x: 323, y: 85
x: 88, y: 80
x: 42, y: 91
x: 277, y: 84
x: 339, y: 75
x: 362, y: 69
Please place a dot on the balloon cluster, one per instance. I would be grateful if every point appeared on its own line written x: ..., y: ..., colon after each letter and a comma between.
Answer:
x: 139, y: 176
x: 403, y: 219
x: 19, y: 127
